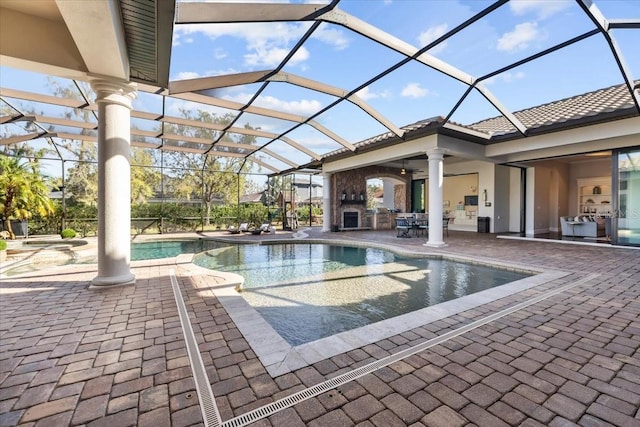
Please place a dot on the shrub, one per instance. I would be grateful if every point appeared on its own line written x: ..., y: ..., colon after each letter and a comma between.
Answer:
x: 3, y: 245
x: 68, y: 233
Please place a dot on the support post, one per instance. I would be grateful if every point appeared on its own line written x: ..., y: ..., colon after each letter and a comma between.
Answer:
x: 114, y: 183
x: 326, y: 201
x: 436, y: 156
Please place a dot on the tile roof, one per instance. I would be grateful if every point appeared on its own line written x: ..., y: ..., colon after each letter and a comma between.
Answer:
x: 388, y: 137
x: 562, y: 113
x: 591, y: 104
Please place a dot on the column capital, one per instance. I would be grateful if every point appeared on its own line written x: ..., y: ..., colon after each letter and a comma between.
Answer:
x: 435, y: 153
x: 113, y: 92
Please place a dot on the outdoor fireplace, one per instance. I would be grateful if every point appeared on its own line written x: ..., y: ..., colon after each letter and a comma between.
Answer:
x: 350, y: 219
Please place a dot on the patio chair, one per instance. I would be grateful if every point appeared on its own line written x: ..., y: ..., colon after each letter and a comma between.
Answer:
x: 421, y: 224
x: 402, y: 227
x: 445, y: 225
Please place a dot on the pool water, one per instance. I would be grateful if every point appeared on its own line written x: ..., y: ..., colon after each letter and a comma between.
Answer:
x: 311, y: 291
x: 170, y: 248
x: 57, y: 255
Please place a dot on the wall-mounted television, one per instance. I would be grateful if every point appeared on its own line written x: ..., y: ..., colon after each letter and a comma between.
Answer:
x: 471, y: 200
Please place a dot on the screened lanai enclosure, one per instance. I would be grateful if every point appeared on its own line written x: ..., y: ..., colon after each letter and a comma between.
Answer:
x: 207, y: 113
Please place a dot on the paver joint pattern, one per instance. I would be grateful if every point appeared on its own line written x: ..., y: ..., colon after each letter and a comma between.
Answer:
x: 71, y: 356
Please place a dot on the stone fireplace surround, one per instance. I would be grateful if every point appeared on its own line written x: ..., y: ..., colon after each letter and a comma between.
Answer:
x: 354, y: 181
x: 350, y: 218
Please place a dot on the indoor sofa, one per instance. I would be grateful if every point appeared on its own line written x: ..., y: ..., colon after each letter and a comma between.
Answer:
x: 583, y: 226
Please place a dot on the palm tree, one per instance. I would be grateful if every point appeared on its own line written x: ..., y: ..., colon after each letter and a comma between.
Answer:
x: 23, y: 191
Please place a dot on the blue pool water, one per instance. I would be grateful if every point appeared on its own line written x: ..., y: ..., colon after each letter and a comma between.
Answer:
x: 170, y: 248
x: 139, y: 251
x: 310, y: 291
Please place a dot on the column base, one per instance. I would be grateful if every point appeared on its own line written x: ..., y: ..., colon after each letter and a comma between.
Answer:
x: 113, y: 281
x: 435, y: 244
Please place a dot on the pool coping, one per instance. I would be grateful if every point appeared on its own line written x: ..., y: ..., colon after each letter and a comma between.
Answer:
x: 279, y: 357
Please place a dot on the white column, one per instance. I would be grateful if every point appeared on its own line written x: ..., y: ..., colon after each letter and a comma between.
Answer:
x: 326, y: 202
x: 114, y: 183
x: 435, y: 156
x: 388, y: 194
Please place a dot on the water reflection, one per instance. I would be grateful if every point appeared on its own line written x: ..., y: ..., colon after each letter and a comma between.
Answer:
x: 310, y: 291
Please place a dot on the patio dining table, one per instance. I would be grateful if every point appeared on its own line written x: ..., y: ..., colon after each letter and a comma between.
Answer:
x: 409, y: 225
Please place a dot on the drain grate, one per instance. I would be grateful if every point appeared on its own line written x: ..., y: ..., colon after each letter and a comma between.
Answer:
x: 208, y: 406
x: 272, y: 408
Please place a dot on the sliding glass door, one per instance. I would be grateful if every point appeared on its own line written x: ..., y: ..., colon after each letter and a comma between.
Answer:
x: 626, y: 222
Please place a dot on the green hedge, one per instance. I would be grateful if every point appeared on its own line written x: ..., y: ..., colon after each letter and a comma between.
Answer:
x: 165, y: 218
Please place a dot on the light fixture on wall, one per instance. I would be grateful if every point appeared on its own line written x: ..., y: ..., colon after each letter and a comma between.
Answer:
x: 403, y: 171
x: 485, y: 197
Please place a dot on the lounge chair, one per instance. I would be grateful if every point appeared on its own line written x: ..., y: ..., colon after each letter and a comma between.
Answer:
x: 264, y: 228
x: 236, y: 230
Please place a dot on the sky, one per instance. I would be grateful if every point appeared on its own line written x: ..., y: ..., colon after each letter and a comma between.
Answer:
x: 346, y: 60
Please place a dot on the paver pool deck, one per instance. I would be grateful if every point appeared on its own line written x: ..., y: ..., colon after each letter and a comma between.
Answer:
x: 564, y: 352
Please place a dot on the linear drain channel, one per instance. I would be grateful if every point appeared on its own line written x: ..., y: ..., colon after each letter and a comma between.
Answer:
x: 208, y: 406
x: 272, y: 408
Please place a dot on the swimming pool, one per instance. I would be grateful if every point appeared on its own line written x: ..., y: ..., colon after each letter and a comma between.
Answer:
x: 170, y: 248
x: 46, y: 254
x: 308, y: 291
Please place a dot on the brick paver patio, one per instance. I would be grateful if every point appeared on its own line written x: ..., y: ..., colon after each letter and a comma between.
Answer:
x: 117, y: 357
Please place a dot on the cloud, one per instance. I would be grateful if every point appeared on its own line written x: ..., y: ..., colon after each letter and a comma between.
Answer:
x: 187, y: 75
x: 272, y: 57
x: 366, y: 94
x: 506, y: 77
x: 303, y: 107
x: 542, y: 8
x: 519, y: 38
x: 174, y: 107
x: 432, y: 33
x: 220, y: 53
x: 266, y: 43
x: 179, y: 39
x: 331, y: 36
x: 510, y: 77
x: 413, y: 90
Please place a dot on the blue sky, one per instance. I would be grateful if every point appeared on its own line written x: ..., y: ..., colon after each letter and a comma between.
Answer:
x: 346, y: 60
x: 339, y: 57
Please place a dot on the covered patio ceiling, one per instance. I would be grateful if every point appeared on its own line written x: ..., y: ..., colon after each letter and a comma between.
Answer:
x: 296, y: 81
